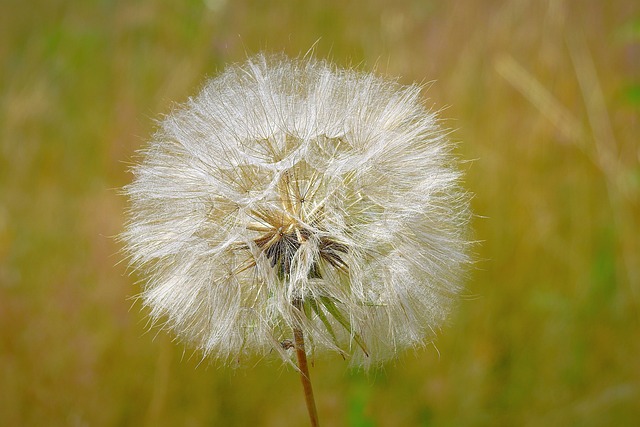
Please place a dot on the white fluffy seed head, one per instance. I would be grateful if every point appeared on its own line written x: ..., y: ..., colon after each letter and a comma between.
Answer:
x: 289, y: 183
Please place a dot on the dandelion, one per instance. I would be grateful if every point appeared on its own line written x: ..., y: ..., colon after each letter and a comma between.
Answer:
x: 293, y: 207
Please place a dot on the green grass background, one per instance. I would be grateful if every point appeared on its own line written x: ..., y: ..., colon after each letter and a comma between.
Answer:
x: 544, y: 99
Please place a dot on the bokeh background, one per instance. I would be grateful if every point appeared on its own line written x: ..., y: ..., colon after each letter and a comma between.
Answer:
x: 543, y: 97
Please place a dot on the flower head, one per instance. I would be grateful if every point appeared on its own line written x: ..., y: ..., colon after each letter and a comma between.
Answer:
x: 292, y: 194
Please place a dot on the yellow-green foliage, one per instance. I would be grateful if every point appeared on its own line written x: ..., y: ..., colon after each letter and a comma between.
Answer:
x: 544, y: 97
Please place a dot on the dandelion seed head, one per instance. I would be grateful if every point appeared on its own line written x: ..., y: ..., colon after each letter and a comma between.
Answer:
x: 291, y: 181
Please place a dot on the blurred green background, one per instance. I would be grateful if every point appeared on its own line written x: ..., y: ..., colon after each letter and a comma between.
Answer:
x: 544, y: 100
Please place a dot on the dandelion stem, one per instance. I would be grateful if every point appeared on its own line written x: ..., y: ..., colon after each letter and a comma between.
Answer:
x: 304, y: 369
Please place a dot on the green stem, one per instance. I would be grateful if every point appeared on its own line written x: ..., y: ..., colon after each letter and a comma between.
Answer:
x: 304, y: 368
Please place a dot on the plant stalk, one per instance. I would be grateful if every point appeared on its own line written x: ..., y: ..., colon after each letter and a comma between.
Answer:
x: 301, y: 354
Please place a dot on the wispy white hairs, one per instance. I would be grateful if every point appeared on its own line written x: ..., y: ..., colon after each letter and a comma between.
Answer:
x: 290, y: 193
